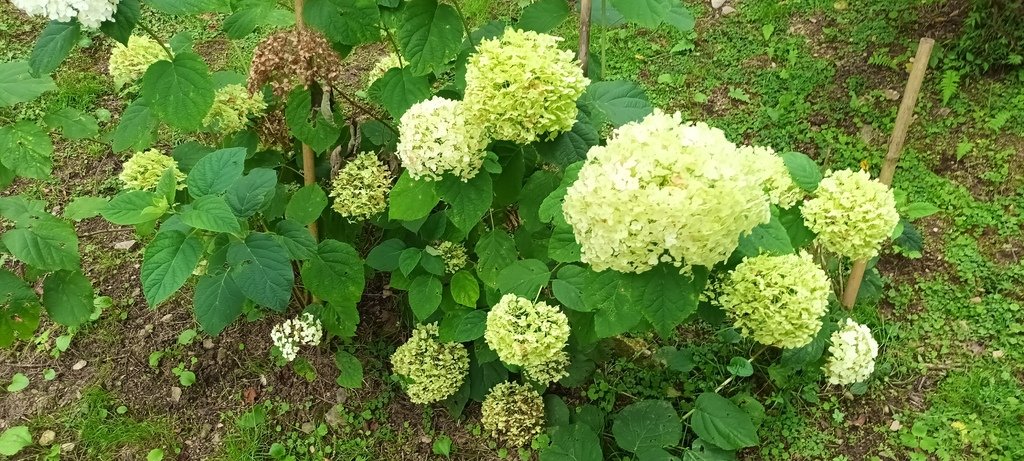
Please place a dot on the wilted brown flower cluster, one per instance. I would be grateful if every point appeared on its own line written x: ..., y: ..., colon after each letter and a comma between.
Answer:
x: 290, y: 58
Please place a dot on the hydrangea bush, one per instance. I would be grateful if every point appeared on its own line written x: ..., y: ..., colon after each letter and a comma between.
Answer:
x: 474, y: 180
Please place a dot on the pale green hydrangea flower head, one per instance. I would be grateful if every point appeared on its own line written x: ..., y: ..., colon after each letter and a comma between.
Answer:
x: 144, y: 169
x: 523, y: 86
x: 433, y: 370
x: 128, y: 63
x: 851, y: 213
x: 525, y: 333
x: 436, y: 137
x: 777, y: 300
x: 232, y: 108
x: 514, y: 413
x: 663, y: 191
x: 453, y: 255
x: 360, y: 190
x: 853, y: 352
x: 383, y: 65
x: 548, y: 372
x: 764, y: 163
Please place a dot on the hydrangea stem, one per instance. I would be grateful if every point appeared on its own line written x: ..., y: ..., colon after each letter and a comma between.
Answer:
x: 728, y: 380
x: 308, y: 156
x: 904, y: 117
x: 153, y: 34
x: 465, y: 24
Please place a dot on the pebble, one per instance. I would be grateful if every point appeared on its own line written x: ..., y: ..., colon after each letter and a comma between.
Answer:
x: 175, y: 394
x: 727, y: 10
x: 47, y: 437
x: 125, y: 245
x: 307, y: 427
x: 891, y: 95
x: 976, y: 300
x: 79, y: 365
x: 207, y: 344
x: 334, y: 416
x: 895, y: 426
x: 67, y: 447
x: 166, y: 317
x: 716, y: 4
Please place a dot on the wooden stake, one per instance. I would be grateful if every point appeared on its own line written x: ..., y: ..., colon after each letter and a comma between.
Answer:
x: 584, y: 54
x: 308, y: 156
x: 904, y: 117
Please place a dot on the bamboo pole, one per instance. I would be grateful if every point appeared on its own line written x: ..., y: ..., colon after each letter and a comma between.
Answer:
x: 904, y: 117
x: 584, y: 54
x: 308, y: 156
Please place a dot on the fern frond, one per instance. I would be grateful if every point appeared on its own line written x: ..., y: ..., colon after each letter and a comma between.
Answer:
x: 950, y: 85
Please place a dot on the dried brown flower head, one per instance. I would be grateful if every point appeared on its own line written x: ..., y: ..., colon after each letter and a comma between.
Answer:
x: 290, y: 58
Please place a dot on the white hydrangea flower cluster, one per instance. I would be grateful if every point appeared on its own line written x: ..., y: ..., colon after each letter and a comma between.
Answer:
x: 853, y: 352
x: 530, y: 335
x: 90, y: 13
x: 776, y: 300
x: 289, y: 335
x: 513, y: 412
x: 432, y: 370
x: 144, y: 169
x: 383, y: 65
x: 129, y: 63
x: 663, y: 191
x: 769, y: 166
x: 851, y: 213
x: 360, y: 190
x: 522, y: 86
x: 232, y: 108
x: 436, y: 137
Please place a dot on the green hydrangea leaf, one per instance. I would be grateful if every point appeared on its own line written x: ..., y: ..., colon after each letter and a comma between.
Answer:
x: 311, y: 127
x: 495, y: 251
x: 215, y: 172
x: 524, y: 278
x: 218, y: 301
x: 469, y: 200
x: 543, y: 15
x: 576, y: 442
x: 398, y: 89
x: 18, y: 85
x: 262, y: 270
x: 719, y: 421
x: 307, y: 204
x: 126, y: 17
x: 465, y: 288
x: 350, y: 371
x: 384, y: 257
x: 26, y: 150
x: 45, y: 243
x: 424, y: 296
x: 212, y: 213
x: 179, y: 92
x: 348, y: 22
x: 335, y: 273
x: 667, y: 297
x: 19, y: 309
x: 463, y: 325
x: 252, y: 192
x: 647, y: 424
x: 134, y: 207
x: 67, y: 296
x: 53, y: 46
x: 297, y: 239
x: 14, y: 439
x: 73, y: 123
x: 430, y: 35
x: 411, y: 199
x: 136, y: 129
x: 168, y: 262
x: 804, y: 171
x: 187, y: 7
x: 618, y: 102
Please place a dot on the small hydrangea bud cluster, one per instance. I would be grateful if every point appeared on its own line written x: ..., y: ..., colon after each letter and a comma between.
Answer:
x: 664, y: 191
x: 290, y: 58
x: 521, y: 86
x: 232, y: 108
x: 289, y: 335
x: 90, y: 13
x: 360, y: 190
x: 851, y: 213
x: 530, y: 335
x: 129, y: 63
x: 853, y: 352
x: 765, y: 164
x: 453, y: 255
x: 436, y: 137
x: 513, y: 412
x: 144, y: 169
x: 383, y: 65
x: 777, y: 300
x: 431, y: 369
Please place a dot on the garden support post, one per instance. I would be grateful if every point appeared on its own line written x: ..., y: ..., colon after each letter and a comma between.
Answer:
x: 308, y: 156
x: 904, y: 117
x: 584, y: 54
